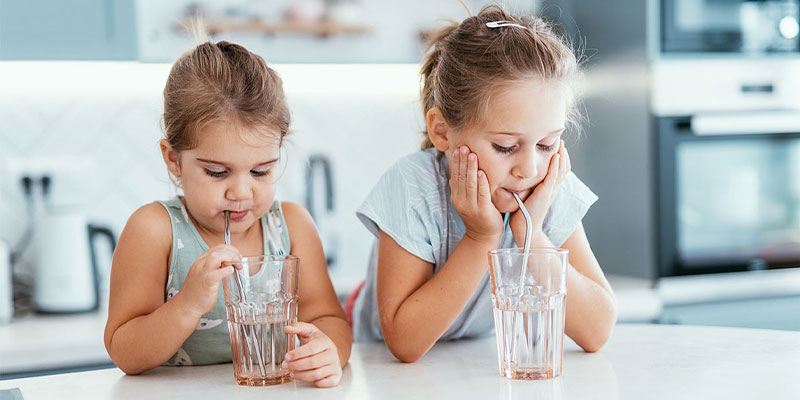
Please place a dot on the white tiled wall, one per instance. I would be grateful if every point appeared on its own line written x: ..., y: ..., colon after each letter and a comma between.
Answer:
x: 95, y: 127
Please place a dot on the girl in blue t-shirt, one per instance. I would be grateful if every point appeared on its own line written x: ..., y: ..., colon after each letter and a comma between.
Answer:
x: 497, y: 97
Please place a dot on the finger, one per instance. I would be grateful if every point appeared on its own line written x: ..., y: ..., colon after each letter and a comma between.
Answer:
x: 330, y: 381
x: 454, y: 188
x: 565, y: 161
x: 484, y: 195
x: 223, y: 272
x: 315, y: 361
x: 472, y: 177
x: 462, y: 166
x: 309, y: 349
x: 552, y: 172
x: 227, y: 249
x: 217, y: 259
x: 315, y: 374
x: 303, y: 329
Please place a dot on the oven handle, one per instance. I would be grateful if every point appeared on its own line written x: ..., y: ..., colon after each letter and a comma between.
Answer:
x: 746, y: 123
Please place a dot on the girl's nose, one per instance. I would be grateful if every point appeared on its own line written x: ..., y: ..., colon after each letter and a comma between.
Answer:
x: 525, y: 165
x: 239, y: 188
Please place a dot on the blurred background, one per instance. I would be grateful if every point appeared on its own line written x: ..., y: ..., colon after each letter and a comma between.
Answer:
x: 692, y: 144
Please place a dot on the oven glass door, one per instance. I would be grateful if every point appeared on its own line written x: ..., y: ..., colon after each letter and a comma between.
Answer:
x: 738, y: 202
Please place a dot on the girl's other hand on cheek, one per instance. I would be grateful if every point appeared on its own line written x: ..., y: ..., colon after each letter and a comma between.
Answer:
x: 471, y: 197
x: 316, y: 360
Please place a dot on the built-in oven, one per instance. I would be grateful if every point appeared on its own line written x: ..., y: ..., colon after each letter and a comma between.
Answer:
x: 727, y: 146
x: 712, y: 26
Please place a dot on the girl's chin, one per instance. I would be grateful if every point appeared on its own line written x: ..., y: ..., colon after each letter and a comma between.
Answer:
x: 505, y: 206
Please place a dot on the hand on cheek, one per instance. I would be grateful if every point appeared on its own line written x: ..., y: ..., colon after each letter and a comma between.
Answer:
x: 471, y: 197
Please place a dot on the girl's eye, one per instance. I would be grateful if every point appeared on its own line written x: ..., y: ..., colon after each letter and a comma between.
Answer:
x: 216, y: 173
x: 547, y: 148
x: 260, y: 172
x: 503, y: 149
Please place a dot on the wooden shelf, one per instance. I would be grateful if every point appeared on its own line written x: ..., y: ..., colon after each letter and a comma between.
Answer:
x: 321, y: 29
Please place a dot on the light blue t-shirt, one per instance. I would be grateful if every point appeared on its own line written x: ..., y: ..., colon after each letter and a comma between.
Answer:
x: 411, y: 203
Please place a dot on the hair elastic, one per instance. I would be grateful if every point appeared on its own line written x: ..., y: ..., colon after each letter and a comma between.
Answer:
x: 500, y: 24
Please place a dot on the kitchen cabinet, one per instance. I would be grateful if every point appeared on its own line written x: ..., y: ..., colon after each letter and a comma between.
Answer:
x: 67, y: 30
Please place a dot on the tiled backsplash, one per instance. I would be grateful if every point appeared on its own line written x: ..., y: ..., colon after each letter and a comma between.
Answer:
x: 95, y: 128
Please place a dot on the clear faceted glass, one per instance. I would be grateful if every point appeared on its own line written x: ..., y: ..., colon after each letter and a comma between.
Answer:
x: 529, y: 297
x: 256, y: 320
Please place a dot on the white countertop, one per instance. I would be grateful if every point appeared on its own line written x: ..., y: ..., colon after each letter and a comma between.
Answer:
x: 47, y: 342
x: 639, y: 362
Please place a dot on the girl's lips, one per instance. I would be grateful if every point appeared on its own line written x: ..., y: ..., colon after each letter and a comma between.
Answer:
x: 238, y: 215
x: 521, y: 193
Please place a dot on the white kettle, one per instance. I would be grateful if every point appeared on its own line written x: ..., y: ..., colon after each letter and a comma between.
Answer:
x: 66, y: 277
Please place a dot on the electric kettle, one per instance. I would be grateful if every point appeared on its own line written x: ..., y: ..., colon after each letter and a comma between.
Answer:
x: 66, y: 276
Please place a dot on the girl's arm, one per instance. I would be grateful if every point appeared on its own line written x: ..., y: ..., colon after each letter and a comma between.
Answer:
x: 416, y: 306
x: 318, y: 304
x: 591, y: 304
x: 143, y: 331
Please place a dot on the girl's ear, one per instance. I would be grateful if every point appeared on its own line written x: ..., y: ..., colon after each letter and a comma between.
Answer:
x: 170, y: 158
x: 438, y: 130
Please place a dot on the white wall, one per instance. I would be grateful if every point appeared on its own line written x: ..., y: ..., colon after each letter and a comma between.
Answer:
x: 95, y: 127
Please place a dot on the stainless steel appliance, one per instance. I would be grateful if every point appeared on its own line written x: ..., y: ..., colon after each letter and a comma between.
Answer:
x: 706, y: 114
x: 727, y: 165
x: 710, y: 26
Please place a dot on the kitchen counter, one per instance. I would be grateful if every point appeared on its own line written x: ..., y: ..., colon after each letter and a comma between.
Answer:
x: 640, y: 361
x: 52, y: 342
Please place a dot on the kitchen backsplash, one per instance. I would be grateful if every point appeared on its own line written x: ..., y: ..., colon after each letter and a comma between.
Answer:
x: 94, y: 128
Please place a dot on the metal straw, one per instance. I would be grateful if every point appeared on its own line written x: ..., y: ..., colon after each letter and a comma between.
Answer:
x: 243, y: 295
x: 528, y: 233
x: 236, y: 278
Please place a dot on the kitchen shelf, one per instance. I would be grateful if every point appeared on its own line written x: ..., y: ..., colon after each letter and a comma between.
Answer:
x: 321, y: 29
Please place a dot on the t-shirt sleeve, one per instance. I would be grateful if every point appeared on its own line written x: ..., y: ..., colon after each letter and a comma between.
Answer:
x: 570, y: 205
x: 397, y: 206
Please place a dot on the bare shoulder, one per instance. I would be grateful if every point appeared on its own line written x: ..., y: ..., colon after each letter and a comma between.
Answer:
x: 298, y: 219
x: 151, y: 219
x: 148, y: 229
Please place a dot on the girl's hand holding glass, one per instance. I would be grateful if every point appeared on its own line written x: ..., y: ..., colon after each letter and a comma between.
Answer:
x: 542, y: 196
x: 316, y: 360
x: 472, y: 199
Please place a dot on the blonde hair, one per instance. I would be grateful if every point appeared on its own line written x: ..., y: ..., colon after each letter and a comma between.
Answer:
x: 221, y: 81
x: 466, y: 63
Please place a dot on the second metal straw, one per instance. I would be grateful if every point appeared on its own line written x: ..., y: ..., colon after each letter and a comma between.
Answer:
x: 242, y: 294
x: 528, y: 233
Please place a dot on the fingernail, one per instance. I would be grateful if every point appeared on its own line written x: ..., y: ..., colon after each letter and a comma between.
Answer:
x: 291, y: 374
x: 288, y: 357
x: 472, y: 157
x: 463, y: 150
x: 284, y: 365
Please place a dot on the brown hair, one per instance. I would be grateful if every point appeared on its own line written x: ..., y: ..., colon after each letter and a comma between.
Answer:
x: 466, y: 63
x: 221, y: 81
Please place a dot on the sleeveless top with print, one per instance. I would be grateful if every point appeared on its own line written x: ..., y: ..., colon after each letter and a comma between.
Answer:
x: 210, y: 342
